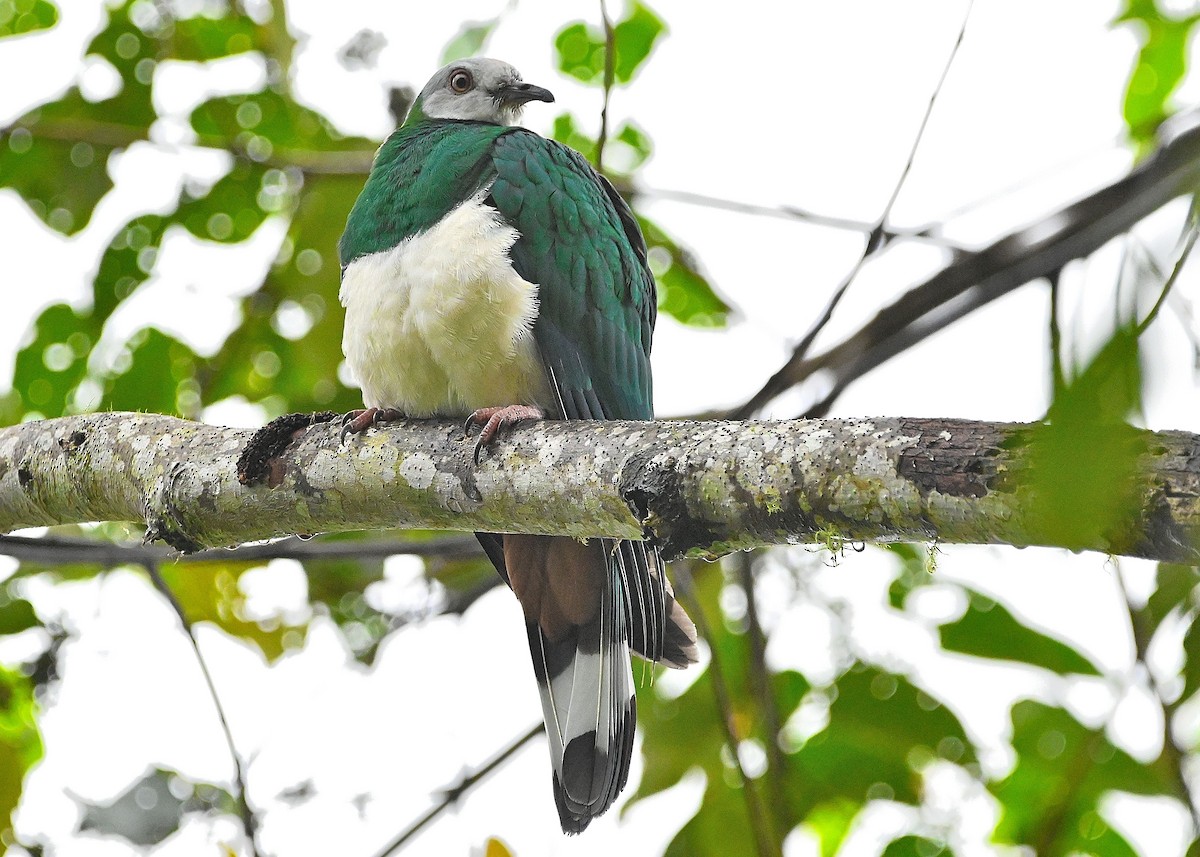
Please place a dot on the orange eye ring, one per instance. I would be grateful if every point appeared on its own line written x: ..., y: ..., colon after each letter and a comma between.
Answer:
x: 461, y: 80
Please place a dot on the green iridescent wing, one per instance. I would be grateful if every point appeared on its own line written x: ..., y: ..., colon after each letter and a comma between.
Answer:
x: 421, y: 173
x: 580, y: 243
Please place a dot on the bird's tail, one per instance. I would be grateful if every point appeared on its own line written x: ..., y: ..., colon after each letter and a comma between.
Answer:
x: 585, y: 604
x: 576, y: 624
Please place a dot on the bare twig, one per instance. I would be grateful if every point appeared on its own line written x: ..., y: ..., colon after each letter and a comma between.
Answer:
x: 451, y: 794
x: 610, y: 49
x: 766, y: 839
x: 249, y: 821
x: 977, y: 278
x: 1058, y: 380
x: 760, y: 682
x: 876, y: 240
x: 1191, y: 230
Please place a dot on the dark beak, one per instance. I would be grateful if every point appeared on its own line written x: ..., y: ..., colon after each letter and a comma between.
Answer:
x: 517, y: 94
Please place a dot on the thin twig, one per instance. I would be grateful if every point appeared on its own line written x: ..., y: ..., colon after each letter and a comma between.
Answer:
x: 1192, y: 230
x: 765, y: 840
x: 451, y: 794
x: 1058, y: 381
x: 760, y: 680
x: 610, y: 48
x: 875, y: 241
x: 249, y: 821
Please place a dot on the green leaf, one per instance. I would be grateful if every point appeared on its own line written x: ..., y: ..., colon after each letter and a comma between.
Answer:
x: 1050, y: 800
x: 44, y: 156
x: 633, y: 39
x: 234, y: 208
x: 160, y: 368
x: 579, y: 52
x: 1175, y: 585
x: 469, y: 41
x: 880, y: 725
x: 59, y: 180
x: 1191, y: 653
x: 127, y: 263
x: 1158, y: 70
x: 50, y: 367
x: 913, y: 571
x: 989, y: 630
x: 579, y: 49
x: 202, y: 38
x: 20, y: 743
x: 683, y: 291
x: 26, y: 16
x: 209, y: 592
x: 260, y: 122
x: 264, y: 361
x: 16, y: 615
x: 914, y: 846
x: 1083, y: 464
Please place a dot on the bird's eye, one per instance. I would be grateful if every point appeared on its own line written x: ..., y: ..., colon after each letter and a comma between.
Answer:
x: 461, y: 80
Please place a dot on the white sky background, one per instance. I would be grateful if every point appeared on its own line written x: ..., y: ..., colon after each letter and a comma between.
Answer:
x: 808, y: 104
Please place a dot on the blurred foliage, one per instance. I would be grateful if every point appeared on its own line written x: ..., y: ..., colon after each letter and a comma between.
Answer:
x: 832, y: 748
x: 1159, y: 68
x: 154, y: 807
x: 26, y: 16
x: 989, y: 630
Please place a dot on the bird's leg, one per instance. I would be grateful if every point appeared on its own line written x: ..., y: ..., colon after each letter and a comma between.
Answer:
x: 356, y: 422
x: 495, y: 420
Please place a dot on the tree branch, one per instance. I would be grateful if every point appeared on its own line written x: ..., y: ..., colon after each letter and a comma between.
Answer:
x: 975, y: 279
x: 696, y: 488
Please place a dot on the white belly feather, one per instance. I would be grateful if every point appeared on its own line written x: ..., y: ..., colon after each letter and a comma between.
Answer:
x: 441, y: 323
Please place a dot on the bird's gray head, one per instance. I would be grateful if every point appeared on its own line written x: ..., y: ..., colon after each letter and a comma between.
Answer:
x: 479, y: 89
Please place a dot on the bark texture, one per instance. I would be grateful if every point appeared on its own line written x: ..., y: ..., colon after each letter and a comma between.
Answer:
x: 695, y: 488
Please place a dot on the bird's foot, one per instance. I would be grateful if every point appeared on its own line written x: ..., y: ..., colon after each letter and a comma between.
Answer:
x: 495, y: 420
x: 356, y: 422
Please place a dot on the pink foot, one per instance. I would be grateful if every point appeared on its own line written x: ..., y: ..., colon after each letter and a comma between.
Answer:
x: 356, y: 422
x: 495, y: 420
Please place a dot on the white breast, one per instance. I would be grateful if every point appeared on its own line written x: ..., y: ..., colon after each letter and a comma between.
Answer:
x: 441, y: 323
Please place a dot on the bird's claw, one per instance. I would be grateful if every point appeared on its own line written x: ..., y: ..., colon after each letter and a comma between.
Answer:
x: 495, y: 420
x: 356, y: 422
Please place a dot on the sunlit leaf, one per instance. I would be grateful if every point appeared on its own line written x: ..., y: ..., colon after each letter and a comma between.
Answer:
x: 469, y: 40
x: 683, y: 291
x: 989, y: 630
x: 202, y: 38
x: 158, y: 365
x: 1159, y: 68
x: 1083, y: 463
x: 26, y: 16
x: 50, y: 367
x: 1063, y: 769
x: 16, y: 615
x: 260, y: 122
x: 634, y: 38
x: 913, y: 571
x: 914, y: 846
x: 209, y: 592
x: 1174, y: 587
x: 579, y: 51
x: 20, y: 743
x: 262, y: 359
x: 579, y: 48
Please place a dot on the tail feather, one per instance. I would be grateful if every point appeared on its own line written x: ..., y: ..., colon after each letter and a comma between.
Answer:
x: 585, y: 605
